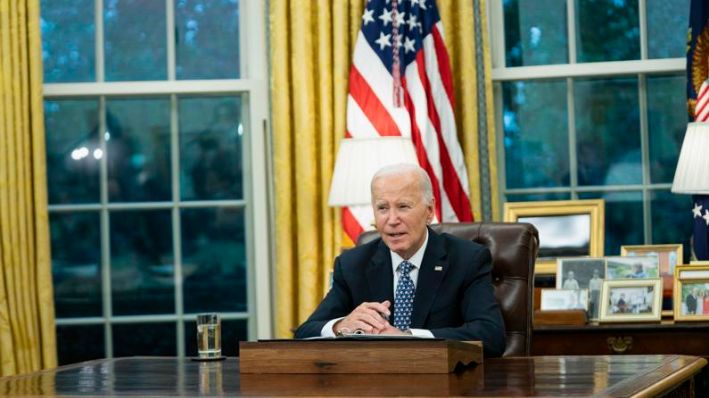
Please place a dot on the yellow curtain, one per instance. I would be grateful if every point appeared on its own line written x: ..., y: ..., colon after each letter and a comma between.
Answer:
x: 311, y: 48
x: 27, y: 336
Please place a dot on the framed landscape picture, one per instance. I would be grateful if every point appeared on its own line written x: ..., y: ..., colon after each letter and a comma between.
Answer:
x: 631, y: 300
x: 691, y: 293
x: 567, y: 228
x: 637, y: 267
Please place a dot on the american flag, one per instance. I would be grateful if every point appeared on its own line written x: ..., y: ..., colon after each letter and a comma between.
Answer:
x: 700, y: 213
x: 400, y: 49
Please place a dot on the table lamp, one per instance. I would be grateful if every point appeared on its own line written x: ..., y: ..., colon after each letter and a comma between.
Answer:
x: 692, y: 177
x: 357, y: 161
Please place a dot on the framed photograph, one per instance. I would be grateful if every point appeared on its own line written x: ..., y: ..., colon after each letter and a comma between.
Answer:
x: 691, y: 293
x: 556, y: 299
x: 669, y: 256
x: 583, y: 273
x: 567, y: 228
x: 631, y: 300
x: 637, y: 267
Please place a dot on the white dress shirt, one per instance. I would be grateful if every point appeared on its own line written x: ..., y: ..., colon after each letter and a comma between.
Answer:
x: 396, y: 260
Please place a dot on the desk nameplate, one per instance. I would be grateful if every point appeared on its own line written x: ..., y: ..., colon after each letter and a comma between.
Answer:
x: 358, y: 356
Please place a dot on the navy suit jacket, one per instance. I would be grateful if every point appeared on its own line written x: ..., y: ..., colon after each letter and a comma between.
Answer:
x: 456, y: 302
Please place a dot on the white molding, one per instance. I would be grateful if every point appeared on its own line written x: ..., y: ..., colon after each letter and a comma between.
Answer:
x: 170, y: 38
x: 149, y: 88
x: 571, y: 30
x: 496, y: 30
x: 590, y: 69
x: 254, y: 27
x: 154, y: 318
x: 642, y: 28
x: 98, y: 48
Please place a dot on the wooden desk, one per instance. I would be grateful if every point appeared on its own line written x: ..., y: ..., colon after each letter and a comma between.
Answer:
x: 689, y: 338
x: 612, y: 376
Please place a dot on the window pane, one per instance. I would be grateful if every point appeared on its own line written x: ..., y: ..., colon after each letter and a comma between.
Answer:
x: 155, y: 339
x: 535, y: 197
x: 624, y: 219
x: 608, y: 131
x: 211, y: 148
x: 138, y: 149
x: 667, y: 28
x: 135, y: 44
x: 207, y: 39
x: 214, y: 283
x: 233, y: 331
x: 72, y: 136
x: 536, y: 135
x: 78, y: 343
x: 68, y: 51
x: 535, y: 32
x: 76, y: 264
x: 672, y: 219
x: 607, y: 30
x: 142, y: 274
x: 667, y: 122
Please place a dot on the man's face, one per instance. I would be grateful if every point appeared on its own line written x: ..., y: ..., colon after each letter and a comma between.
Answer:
x: 400, y: 212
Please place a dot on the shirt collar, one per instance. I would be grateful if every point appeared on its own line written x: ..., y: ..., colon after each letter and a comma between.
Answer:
x: 415, y: 260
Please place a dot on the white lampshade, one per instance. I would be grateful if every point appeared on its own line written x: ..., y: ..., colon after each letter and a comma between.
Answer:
x: 692, y: 174
x: 357, y: 161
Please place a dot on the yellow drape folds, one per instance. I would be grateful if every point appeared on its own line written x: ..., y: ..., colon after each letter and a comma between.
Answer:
x: 311, y: 50
x: 27, y: 336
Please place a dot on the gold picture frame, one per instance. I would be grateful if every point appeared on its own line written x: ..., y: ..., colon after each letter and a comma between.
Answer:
x: 583, y: 273
x: 631, y: 300
x: 670, y: 256
x: 694, y: 280
x: 552, y: 216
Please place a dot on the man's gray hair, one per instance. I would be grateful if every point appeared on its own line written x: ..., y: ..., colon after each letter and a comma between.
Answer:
x: 406, y: 168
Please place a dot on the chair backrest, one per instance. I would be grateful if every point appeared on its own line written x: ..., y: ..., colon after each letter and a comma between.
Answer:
x: 514, y: 249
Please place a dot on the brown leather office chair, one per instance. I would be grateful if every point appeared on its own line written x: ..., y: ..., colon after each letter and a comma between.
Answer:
x: 514, y: 249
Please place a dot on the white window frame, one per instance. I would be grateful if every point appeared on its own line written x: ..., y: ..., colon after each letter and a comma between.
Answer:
x: 640, y: 68
x: 253, y: 87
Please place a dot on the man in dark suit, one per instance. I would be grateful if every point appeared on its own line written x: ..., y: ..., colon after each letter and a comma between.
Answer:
x: 424, y: 283
x: 691, y: 302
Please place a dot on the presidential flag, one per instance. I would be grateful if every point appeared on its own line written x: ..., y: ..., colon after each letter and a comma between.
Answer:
x: 698, y: 61
x: 401, y: 85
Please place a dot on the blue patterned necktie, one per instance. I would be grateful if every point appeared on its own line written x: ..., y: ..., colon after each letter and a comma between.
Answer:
x: 404, y: 297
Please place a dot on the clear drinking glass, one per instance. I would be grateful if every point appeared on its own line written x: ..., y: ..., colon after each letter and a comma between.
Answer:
x: 209, y: 336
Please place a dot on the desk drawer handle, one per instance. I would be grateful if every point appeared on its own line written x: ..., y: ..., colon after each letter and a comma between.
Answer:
x: 620, y: 345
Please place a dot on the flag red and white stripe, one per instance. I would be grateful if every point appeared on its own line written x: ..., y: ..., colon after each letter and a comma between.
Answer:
x: 427, y: 113
x: 701, y: 110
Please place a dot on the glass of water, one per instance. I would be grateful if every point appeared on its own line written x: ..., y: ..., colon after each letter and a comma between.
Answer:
x: 209, y: 336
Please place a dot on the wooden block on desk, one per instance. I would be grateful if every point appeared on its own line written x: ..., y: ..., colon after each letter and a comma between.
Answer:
x: 358, y: 356
x: 559, y: 317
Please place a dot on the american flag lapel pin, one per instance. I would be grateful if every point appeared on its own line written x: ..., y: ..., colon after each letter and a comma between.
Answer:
x: 438, y: 268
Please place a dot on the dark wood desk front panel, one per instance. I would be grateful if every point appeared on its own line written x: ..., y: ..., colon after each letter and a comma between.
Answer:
x: 563, y: 376
x: 611, y: 339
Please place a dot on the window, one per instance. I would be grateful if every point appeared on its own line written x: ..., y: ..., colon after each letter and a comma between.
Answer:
x: 590, y: 101
x: 155, y: 116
